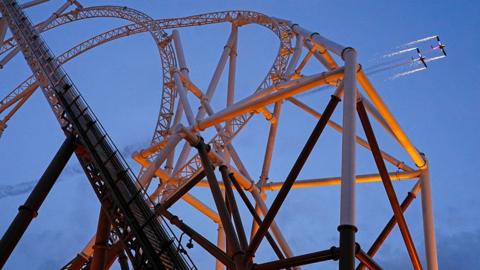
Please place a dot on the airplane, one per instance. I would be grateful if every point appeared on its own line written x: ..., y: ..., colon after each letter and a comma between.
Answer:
x: 440, y: 46
x: 420, y: 58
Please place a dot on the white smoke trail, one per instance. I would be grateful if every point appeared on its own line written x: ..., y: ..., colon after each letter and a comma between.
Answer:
x: 420, y: 40
x: 434, y: 58
x: 396, y: 76
x: 370, y: 71
x: 386, y: 63
x: 398, y: 60
x: 307, y: 93
x: 377, y: 70
x: 399, y: 52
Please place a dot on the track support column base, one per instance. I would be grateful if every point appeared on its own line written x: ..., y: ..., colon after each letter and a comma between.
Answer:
x: 347, y: 247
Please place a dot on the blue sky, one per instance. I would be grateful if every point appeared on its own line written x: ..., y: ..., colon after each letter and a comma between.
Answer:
x: 121, y: 81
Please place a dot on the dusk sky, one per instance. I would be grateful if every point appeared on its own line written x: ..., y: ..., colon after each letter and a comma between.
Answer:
x: 121, y: 80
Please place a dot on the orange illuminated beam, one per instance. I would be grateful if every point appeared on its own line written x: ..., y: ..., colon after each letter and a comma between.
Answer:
x: 332, y: 181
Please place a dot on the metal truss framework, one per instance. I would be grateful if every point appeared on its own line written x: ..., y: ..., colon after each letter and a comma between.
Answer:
x: 177, y: 122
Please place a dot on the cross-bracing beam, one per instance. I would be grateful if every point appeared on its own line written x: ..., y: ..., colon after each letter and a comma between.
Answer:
x: 390, y: 224
x: 393, y: 124
x: 388, y: 186
x: 273, y: 210
x: 227, y: 224
x: 29, y: 210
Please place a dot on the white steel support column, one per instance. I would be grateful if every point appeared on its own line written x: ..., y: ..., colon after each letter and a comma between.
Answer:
x: 184, y: 71
x: 267, y: 160
x: 232, y: 66
x: 295, y: 57
x: 182, y: 63
x: 347, y: 226
x: 210, y: 91
x: 177, y: 42
x: 428, y: 220
x: 176, y: 121
x: 347, y: 207
x: 184, y: 99
x: 270, y: 144
x: 218, y: 72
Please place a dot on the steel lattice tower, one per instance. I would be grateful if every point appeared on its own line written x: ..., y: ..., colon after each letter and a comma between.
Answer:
x: 131, y: 224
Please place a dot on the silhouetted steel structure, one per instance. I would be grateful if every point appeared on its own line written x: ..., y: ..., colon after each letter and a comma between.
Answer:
x: 131, y: 222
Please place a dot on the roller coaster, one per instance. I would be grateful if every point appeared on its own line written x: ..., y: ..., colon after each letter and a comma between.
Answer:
x: 136, y: 207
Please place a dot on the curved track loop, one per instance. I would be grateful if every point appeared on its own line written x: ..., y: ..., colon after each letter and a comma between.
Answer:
x: 144, y: 23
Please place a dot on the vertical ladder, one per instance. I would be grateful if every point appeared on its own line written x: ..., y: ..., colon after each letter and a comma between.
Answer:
x: 147, y: 242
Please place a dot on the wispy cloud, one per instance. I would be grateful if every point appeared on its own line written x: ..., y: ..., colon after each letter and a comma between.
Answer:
x: 27, y: 186
x: 68, y: 173
x: 13, y: 190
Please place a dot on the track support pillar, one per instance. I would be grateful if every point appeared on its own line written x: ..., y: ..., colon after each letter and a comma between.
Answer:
x: 347, y: 227
x: 100, y: 247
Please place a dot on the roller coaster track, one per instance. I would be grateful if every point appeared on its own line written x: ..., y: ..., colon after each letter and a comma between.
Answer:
x: 138, y: 218
x: 191, y: 168
x: 156, y: 27
x: 126, y: 203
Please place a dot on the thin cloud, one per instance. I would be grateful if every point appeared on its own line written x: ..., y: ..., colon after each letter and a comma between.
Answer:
x: 69, y: 172
x: 13, y: 190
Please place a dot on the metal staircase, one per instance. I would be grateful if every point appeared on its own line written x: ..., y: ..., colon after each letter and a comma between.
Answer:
x: 147, y: 242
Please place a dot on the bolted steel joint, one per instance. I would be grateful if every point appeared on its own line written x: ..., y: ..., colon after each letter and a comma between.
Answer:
x: 348, y: 50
